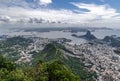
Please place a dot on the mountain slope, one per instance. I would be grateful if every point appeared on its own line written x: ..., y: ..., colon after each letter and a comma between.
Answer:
x: 53, y: 52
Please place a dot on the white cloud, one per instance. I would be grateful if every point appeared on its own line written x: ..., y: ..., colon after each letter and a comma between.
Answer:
x: 103, y: 15
x: 5, y: 19
x: 98, y: 10
x: 25, y: 3
x: 97, y: 15
x: 45, y: 2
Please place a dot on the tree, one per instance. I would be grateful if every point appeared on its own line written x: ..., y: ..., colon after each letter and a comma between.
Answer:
x: 7, y: 64
x: 59, y: 72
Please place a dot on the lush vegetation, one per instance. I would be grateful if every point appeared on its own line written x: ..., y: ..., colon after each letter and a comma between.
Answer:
x: 18, y: 41
x: 115, y: 42
x: 53, y: 52
x: 11, y: 46
x: 42, y: 71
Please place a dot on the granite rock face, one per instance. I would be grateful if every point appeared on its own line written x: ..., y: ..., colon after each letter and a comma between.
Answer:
x: 87, y: 36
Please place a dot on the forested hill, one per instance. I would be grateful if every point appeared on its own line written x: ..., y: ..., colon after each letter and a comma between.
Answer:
x: 42, y: 71
x: 49, y: 64
x: 55, y: 52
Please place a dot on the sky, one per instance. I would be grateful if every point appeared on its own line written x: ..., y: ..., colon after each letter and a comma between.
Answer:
x: 60, y: 13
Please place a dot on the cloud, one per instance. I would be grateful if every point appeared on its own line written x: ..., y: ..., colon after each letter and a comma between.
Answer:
x: 45, y: 2
x: 26, y: 3
x: 5, y: 19
x: 36, y: 15
x: 103, y: 11
x: 101, y: 15
x: 24, y: 13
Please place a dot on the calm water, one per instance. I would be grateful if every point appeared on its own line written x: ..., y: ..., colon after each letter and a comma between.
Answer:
x: 102, y: 33
x: 60, y: 34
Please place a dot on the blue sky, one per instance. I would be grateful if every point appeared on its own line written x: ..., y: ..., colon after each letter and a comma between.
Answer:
x: 61, y: 13
x: 65, y: 3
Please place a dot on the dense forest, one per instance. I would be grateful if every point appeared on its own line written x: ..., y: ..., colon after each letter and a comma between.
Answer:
x: 42, y: 71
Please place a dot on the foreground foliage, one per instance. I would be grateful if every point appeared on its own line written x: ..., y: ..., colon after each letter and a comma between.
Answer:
x: 42, y: 71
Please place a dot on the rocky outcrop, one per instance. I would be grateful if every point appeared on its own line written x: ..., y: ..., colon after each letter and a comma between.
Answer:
x: 87, y: 36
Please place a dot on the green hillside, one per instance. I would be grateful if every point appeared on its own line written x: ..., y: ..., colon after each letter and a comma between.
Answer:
x: 55, y: 71
x: 54, y: 52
